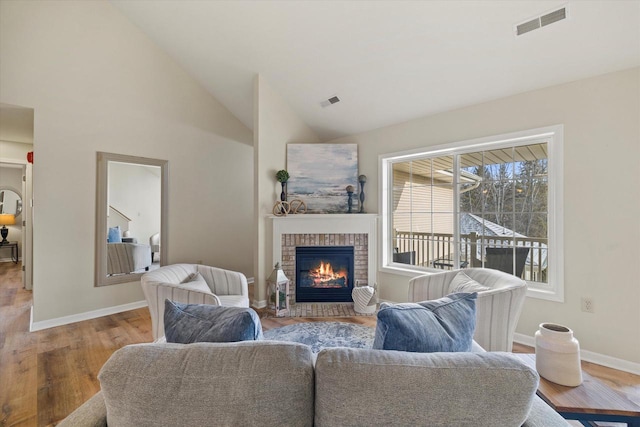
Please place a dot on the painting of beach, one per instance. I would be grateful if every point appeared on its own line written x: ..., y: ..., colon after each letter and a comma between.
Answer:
x: 319, y: 175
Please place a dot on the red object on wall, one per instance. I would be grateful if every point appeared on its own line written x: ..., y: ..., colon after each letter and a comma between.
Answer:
x: 30, y: 157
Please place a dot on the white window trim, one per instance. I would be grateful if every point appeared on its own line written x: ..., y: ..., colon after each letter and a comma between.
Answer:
x: 554, y: 136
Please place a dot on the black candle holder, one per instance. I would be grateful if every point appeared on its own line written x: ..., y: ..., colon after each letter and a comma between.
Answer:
x: 362, y: 179
x: 350, y: 199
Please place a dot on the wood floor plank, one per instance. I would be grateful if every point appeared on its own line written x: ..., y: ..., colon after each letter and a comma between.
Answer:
x: 18, y: 352
x: 45, y: 375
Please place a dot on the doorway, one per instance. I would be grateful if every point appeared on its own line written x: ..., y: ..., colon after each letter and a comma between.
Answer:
x: 16, y: 188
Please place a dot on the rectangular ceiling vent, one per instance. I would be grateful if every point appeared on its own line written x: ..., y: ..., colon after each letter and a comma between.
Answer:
x: 555, y: 16
x: 333, y: 100
x: 534, y: 24
x: 541, y: 21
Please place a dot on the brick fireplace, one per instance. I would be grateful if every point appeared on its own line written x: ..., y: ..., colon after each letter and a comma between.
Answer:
x: 357, y: 231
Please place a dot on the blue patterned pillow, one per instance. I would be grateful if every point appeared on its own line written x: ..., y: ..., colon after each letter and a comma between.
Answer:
x: 445, y: 324
x: 189, y: 323
x: 115, y: 235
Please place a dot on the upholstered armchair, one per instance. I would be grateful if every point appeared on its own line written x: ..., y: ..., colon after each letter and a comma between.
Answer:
x: 497, y: 309
x: 181, y: 283
x: 154, y: 242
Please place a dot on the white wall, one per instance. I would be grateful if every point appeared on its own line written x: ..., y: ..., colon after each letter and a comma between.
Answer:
x: 97, y: 83
x: 14, y: 152
x: 601, y: 116
x: 16, y: 125
x: 275, y: 125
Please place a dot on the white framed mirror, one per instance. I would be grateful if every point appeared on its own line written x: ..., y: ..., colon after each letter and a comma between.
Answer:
x: 131, y: 217
x: 10, y: 201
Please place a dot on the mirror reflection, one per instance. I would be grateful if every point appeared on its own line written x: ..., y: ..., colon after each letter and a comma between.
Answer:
x: 129, y: 238
x: 10, y: 202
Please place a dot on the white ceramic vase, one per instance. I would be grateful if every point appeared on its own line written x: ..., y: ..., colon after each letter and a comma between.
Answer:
x: 558, y: 355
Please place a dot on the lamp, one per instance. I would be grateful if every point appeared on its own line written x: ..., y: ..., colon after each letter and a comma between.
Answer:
x: 278, y: 290
x: 6, y: 219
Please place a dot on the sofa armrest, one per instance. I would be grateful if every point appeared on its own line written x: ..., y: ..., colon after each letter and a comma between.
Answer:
x: 92, y: 413
x: 187, y: 293
x: 542, y: 415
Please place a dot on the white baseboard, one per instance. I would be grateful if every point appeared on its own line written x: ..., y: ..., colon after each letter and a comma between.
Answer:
x: 254, y: 303
x: 524, y: 339
x: 65, y: 320
x: 589, y: 356
x: 9, y: 259
x: 259, y: 304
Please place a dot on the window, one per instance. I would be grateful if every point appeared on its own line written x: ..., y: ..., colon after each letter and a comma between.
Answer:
x: 489, y: 203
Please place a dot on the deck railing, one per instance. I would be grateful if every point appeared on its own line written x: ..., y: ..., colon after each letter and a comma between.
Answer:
x: 437, y: 249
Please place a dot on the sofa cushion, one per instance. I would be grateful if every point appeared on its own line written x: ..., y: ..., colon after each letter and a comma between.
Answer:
x: 227, y: 384
x: 420, y: 389
x: 463, y: 283
x: 446, y: 324
x: 189, y: 323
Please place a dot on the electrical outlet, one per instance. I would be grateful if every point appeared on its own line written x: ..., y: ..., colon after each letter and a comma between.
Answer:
x: 587, y: 305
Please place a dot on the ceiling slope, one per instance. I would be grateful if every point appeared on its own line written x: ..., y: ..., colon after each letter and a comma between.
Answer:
x: 388, y: 61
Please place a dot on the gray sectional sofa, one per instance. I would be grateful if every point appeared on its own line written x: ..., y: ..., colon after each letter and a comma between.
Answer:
x: 268, y: 383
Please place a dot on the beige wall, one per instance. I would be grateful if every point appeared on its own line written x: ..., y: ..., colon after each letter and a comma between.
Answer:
x: 96, y: 83
x: 16, y: 125
x: 601, y: 118
x: 275, y: 125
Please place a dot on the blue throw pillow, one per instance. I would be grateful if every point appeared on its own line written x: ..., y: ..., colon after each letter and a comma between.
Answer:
x: 115, y: 236
x: 445, y: 324
x: 189, y: 323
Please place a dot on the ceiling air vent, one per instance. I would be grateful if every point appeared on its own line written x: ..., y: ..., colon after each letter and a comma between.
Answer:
x: 534, y: 24
x: 333, y: 100
x: 554, y: 16
x: 541, y: 21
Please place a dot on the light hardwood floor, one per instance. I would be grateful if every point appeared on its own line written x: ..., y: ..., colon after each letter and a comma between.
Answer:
x: 45, y: 375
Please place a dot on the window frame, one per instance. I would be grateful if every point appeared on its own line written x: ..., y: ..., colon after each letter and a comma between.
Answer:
x: 553, y: 290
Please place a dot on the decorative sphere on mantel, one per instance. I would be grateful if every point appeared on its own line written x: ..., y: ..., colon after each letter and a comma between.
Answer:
x: 362, y: 178
x: 349, y: 188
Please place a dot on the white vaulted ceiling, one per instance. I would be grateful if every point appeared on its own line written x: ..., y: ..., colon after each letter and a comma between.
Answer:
x: 388, y: 61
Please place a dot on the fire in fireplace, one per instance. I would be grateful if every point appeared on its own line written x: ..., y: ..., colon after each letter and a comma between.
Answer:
x: 324, y: 273
x: 324, y: 277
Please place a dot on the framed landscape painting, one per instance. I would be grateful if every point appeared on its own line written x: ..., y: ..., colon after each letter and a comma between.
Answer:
x: 319, y: 175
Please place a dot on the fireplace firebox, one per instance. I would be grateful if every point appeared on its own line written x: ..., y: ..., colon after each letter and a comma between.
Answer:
x: 324, y: 273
